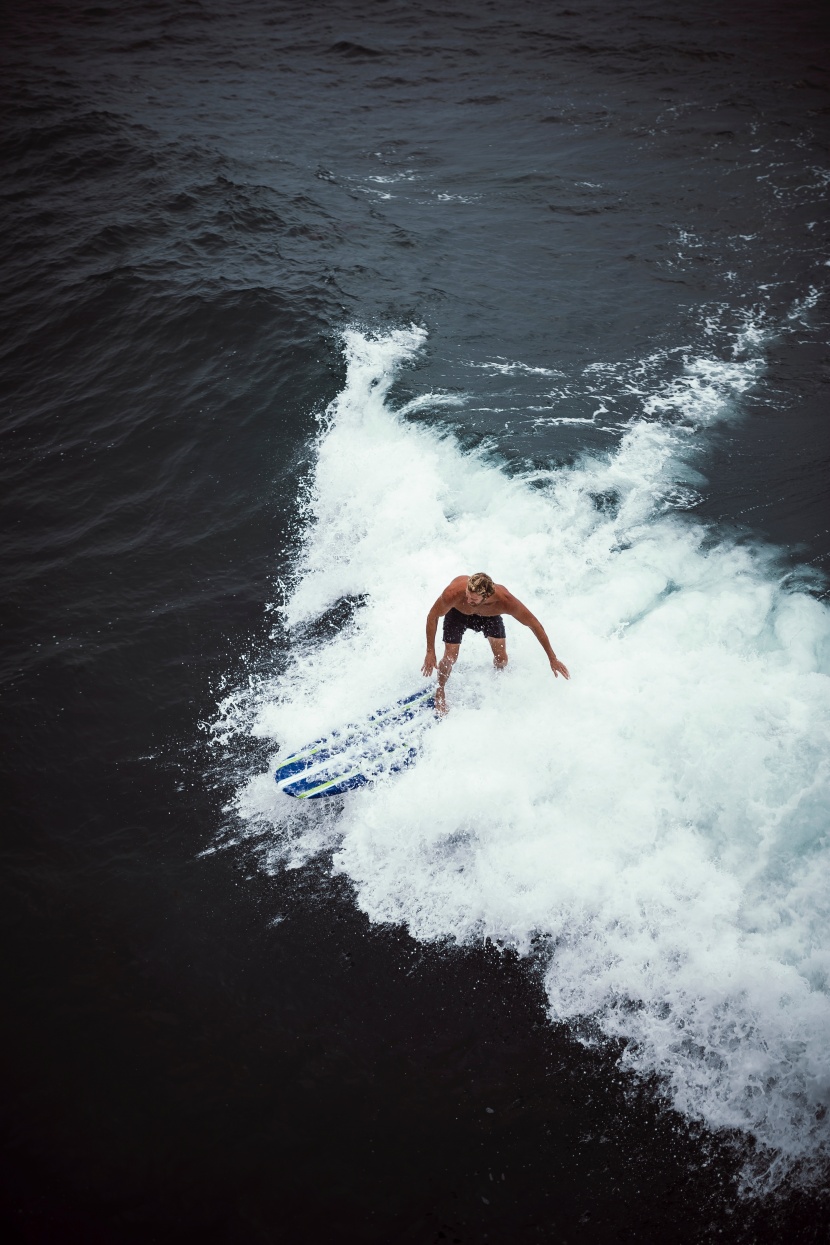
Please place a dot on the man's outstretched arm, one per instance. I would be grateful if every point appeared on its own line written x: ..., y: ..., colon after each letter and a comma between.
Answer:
x: 523, y: 615
x: 431, y: 661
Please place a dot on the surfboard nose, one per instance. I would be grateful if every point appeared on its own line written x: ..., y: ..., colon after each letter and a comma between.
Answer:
x: 385, y: 743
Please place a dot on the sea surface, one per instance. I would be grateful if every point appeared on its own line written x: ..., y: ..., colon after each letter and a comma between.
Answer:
x: 305, y: 310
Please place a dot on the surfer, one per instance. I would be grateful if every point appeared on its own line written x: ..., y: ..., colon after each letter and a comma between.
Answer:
x: 475, y: 603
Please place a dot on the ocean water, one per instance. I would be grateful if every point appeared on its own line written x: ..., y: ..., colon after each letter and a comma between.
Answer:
x: 659, y: 823
x: 305, y: 312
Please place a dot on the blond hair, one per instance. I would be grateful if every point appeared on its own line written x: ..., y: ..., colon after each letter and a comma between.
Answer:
x: 481, y: 583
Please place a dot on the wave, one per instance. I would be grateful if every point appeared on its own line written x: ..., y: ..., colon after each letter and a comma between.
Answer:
x: 655, y: 829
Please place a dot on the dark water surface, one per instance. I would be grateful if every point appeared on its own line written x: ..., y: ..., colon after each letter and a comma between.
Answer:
x: 610, y: 225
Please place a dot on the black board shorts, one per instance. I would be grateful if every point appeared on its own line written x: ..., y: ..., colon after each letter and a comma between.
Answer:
x: 456, y: 623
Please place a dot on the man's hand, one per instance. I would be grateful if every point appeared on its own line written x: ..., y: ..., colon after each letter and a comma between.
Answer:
x: 557, y: 668
x: 430, y: 662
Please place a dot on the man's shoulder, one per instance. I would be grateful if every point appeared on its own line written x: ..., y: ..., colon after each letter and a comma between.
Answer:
x: 505, y: 600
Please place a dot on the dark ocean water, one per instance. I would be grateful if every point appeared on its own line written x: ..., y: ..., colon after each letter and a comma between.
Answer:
x: 305, y: 310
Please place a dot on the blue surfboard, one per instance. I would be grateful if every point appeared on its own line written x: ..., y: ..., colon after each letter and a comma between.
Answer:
x: 384, y: 743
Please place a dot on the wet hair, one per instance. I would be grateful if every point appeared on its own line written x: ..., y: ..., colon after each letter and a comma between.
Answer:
x: 479, y: 583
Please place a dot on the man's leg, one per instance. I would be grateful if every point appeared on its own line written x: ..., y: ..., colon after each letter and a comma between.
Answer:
x: 499, y: 648
x: 445, y: 666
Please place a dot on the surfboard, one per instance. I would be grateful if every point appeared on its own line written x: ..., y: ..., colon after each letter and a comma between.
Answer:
x: 384, y: 743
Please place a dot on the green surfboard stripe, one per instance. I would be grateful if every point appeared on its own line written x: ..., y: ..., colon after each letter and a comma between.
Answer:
x: 324, y: 786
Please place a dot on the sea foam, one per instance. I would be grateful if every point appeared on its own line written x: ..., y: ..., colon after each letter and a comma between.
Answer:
x: 660, y: 821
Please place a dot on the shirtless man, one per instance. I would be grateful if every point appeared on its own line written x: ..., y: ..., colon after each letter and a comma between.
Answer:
x: 477, y: 604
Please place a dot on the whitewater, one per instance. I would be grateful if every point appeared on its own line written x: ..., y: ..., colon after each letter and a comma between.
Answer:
x: 654, y: 832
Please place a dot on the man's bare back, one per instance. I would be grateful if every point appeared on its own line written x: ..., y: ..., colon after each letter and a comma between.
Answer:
x: 477, y: 599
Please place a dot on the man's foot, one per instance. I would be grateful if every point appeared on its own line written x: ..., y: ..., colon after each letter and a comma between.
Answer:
x: 440, y: 702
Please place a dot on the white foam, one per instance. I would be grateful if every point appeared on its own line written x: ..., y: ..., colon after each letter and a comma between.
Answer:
x: 661, y: 819
x: 506, y: 367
